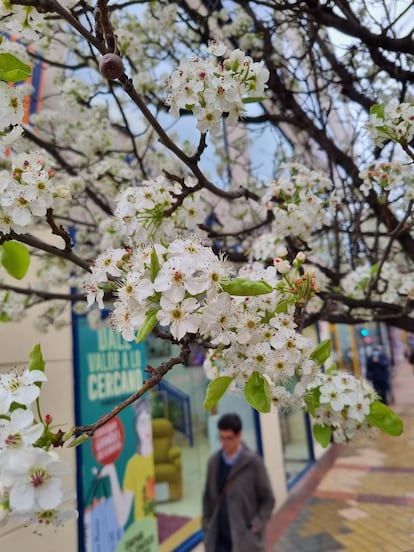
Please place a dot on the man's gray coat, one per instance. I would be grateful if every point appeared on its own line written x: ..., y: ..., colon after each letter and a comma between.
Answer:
x: 250, y: 502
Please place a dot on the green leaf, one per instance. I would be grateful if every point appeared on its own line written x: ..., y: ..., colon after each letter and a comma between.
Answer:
x: 381, y: 416
x: 322, y: 352
x: 36, y: 361
x: 312, y: 400
x: 215, y: 390
x: 257, y: 392
x: 147, y: 327
x: 12, y: 69
x: 282, y: 306
x: 78, y: 440
x: 253, y: 100
x: 387, y: 131
x: 155, y: 264
x: 378, y: 110
x: 322, y: 434
x: 15, y: 258
x: 244, y: 286
x: 332, y: 369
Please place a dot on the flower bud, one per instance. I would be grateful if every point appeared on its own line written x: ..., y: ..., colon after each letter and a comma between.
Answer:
x: 281, y: 251
x: 282, y: 266
x: 299, y: 259
x: 63, y: 192
x: 111, y: 66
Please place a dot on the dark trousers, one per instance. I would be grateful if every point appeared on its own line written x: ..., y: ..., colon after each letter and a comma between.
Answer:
x: 381, y: 388
x: 222, y: 548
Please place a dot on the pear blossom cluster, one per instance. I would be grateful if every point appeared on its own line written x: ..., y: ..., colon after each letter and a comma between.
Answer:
x: 263, y: 335
x: 141, y: 210
x: 92, y: 134
x: 392, y: 122
x: 184, y: 286
x: 171, y: 281
x: 388, y: 176
x: 28, y: 192
x: 12, y: 306
x: 31, y: 484
x: 343, y: 403
x: 212, y: 86
x: 299, y: 200
x: 276, y: 350
x: 20, y: 21
x: 11, y: 113
x: 391, y: 286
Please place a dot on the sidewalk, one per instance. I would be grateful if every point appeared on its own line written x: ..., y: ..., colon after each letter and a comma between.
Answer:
x: 359, y: 497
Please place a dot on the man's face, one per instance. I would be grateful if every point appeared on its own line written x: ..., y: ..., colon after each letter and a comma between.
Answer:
x: 230, y: 441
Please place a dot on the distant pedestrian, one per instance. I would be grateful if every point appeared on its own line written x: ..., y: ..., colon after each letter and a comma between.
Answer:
x: 238, y: 498
x: 378, y: 373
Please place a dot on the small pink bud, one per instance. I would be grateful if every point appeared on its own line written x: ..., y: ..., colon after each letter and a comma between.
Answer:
x: 48, y: 419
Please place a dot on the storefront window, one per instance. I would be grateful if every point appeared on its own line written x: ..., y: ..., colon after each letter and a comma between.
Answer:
x: 296, y: 443
x: 296, y: 434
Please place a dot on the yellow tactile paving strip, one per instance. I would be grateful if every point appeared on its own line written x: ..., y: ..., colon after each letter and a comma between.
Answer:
x: 377, y: 528
x: 365, y: 500
x: 383, y: 529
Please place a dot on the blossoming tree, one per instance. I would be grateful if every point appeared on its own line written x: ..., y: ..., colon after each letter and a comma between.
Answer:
x: 218, y: 173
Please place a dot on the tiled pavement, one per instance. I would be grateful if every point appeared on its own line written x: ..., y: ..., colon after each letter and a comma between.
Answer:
x: 359, y: 497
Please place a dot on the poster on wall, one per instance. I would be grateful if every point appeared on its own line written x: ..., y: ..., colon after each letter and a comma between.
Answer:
x: 116, y: 485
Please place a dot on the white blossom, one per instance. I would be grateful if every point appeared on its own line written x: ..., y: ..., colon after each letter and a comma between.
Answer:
x: 16, y: 434
x: 35, y: 482
x: 19, y: 388
x: 344, y: 403
x: 211, y: 87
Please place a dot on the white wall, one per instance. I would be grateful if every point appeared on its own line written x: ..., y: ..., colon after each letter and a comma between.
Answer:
x: 273, y: 454
x: 16, y: 342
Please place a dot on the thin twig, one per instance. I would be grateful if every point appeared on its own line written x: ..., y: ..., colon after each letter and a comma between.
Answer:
x: 156, y: 376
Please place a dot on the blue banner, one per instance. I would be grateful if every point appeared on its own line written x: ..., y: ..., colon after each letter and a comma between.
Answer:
x: 116, y: 485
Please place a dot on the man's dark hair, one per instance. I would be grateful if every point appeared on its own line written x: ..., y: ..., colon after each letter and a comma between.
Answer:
x: 230, y: 422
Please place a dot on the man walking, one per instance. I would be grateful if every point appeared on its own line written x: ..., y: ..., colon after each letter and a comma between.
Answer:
x: 238, y: 498
x: 378, y: 373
